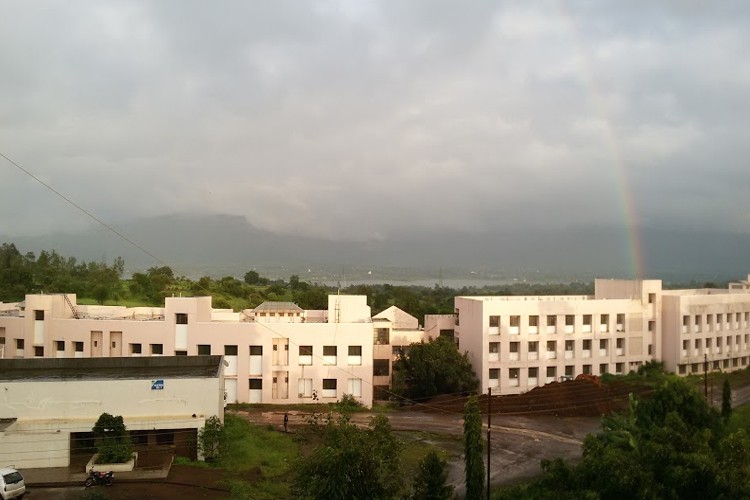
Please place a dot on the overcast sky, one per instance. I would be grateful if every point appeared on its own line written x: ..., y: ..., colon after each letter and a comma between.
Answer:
x: 356, y: 119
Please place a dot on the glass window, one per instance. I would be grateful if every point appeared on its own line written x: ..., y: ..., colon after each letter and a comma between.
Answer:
x: 381, y: 367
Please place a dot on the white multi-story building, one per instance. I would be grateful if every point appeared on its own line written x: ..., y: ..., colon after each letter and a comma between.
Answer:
x: 706, y: 326
x: 276, y: 353
x: 517, y: 343
x: 280, y: 353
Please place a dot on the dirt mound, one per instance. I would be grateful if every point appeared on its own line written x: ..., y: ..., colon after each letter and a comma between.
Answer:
x: 572, y: 398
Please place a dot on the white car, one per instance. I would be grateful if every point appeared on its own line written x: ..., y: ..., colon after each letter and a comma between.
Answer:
x: 11, y: 484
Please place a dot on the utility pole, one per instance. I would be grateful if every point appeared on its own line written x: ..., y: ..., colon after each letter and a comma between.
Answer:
x: 705, y: 375
x: 489, y: 436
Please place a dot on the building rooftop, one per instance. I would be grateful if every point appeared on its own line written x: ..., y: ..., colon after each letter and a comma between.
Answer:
x: 109, y: 368
x: 270, y: 306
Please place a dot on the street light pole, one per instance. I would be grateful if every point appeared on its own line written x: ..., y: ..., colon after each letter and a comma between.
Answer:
x: 489, y: 435
x: 705, y: 375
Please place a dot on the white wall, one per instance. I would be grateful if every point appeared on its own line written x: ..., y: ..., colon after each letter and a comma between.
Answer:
x: 354, y: 328
x: 47, y: 412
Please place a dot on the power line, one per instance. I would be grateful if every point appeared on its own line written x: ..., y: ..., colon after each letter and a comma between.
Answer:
x: 83, y: 210
x: 162, y: 262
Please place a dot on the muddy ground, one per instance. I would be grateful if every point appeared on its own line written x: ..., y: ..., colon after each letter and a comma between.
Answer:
x: 519, y: 442
x: 547, y: 422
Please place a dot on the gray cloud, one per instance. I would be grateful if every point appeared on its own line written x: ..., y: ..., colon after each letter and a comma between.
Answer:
x: 369, y: 119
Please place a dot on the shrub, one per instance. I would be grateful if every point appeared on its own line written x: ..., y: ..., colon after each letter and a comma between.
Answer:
x: 212, y: 439
x: 113, y: 441
x: 348, y: 403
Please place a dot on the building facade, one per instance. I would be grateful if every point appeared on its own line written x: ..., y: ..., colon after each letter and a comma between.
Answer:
x: 276, y: 353
x: 706, y: 325
x: 517, y: 343
x: 393, y: 331
x: 279, y: 353
x: 51, y: 405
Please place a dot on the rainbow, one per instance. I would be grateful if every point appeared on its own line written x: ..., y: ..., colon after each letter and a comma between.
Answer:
x: 620, y: 177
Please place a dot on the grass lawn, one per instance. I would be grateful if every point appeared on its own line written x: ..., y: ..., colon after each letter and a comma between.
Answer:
x: 260, y: 459
x: 252, y: 448
x: 418, y: 444
x: 740, y: 419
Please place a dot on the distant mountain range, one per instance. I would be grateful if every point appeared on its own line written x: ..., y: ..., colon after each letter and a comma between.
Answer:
x: 219, y: 245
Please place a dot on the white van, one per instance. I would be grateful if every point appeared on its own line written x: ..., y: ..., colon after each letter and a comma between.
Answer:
x: 11, y: 484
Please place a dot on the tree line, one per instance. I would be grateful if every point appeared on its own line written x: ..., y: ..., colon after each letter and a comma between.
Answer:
x: 103, y: 283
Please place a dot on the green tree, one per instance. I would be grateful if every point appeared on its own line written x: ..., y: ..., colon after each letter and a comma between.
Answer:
x: 664, y: 447
x: 474, y: 467
x: 726, y: 400
x: 113, y: 440
x: 295, y: 283
x: 212, y: 439
x: 202, y: 286
x: 16, y: 273
x: 313, y: 297
x: 670, y: 444
x: 734, y: 464
x: 101, y: 293
x: 351, y: 463
x: 231, y: 286
x: 252, y: 278
x: 431, y: 368
x: 430, y: 481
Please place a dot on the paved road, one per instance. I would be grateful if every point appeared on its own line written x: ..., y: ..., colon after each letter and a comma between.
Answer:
x: 740, y: 396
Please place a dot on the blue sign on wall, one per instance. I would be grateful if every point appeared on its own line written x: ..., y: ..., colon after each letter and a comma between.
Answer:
x: 157, y: 385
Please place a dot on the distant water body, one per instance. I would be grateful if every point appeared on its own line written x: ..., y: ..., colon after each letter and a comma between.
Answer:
x: 454, y: 283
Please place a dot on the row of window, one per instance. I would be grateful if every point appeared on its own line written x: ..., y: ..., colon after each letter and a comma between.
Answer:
x: 39, y: 350
x: 551, y: 373
x: 713, y: 365
x: 716, y: 344
x: 715, y: 322
x: 532, y: 347
x: 305, y: 387
x: 305, y: 352
x: 551, y: 323
x: 59, y: 345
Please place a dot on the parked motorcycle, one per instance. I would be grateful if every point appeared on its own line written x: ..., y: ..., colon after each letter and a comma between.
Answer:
x: 99, y: 478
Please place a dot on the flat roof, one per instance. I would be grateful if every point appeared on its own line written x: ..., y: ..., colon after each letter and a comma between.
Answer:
x: 154, y: 367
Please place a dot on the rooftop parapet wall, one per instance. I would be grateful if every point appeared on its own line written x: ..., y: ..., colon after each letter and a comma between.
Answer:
x: 707, y: 291
x: 110, y: 368
x: 348, y: 309
x: 526, y: 298
x: 625, y: 289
